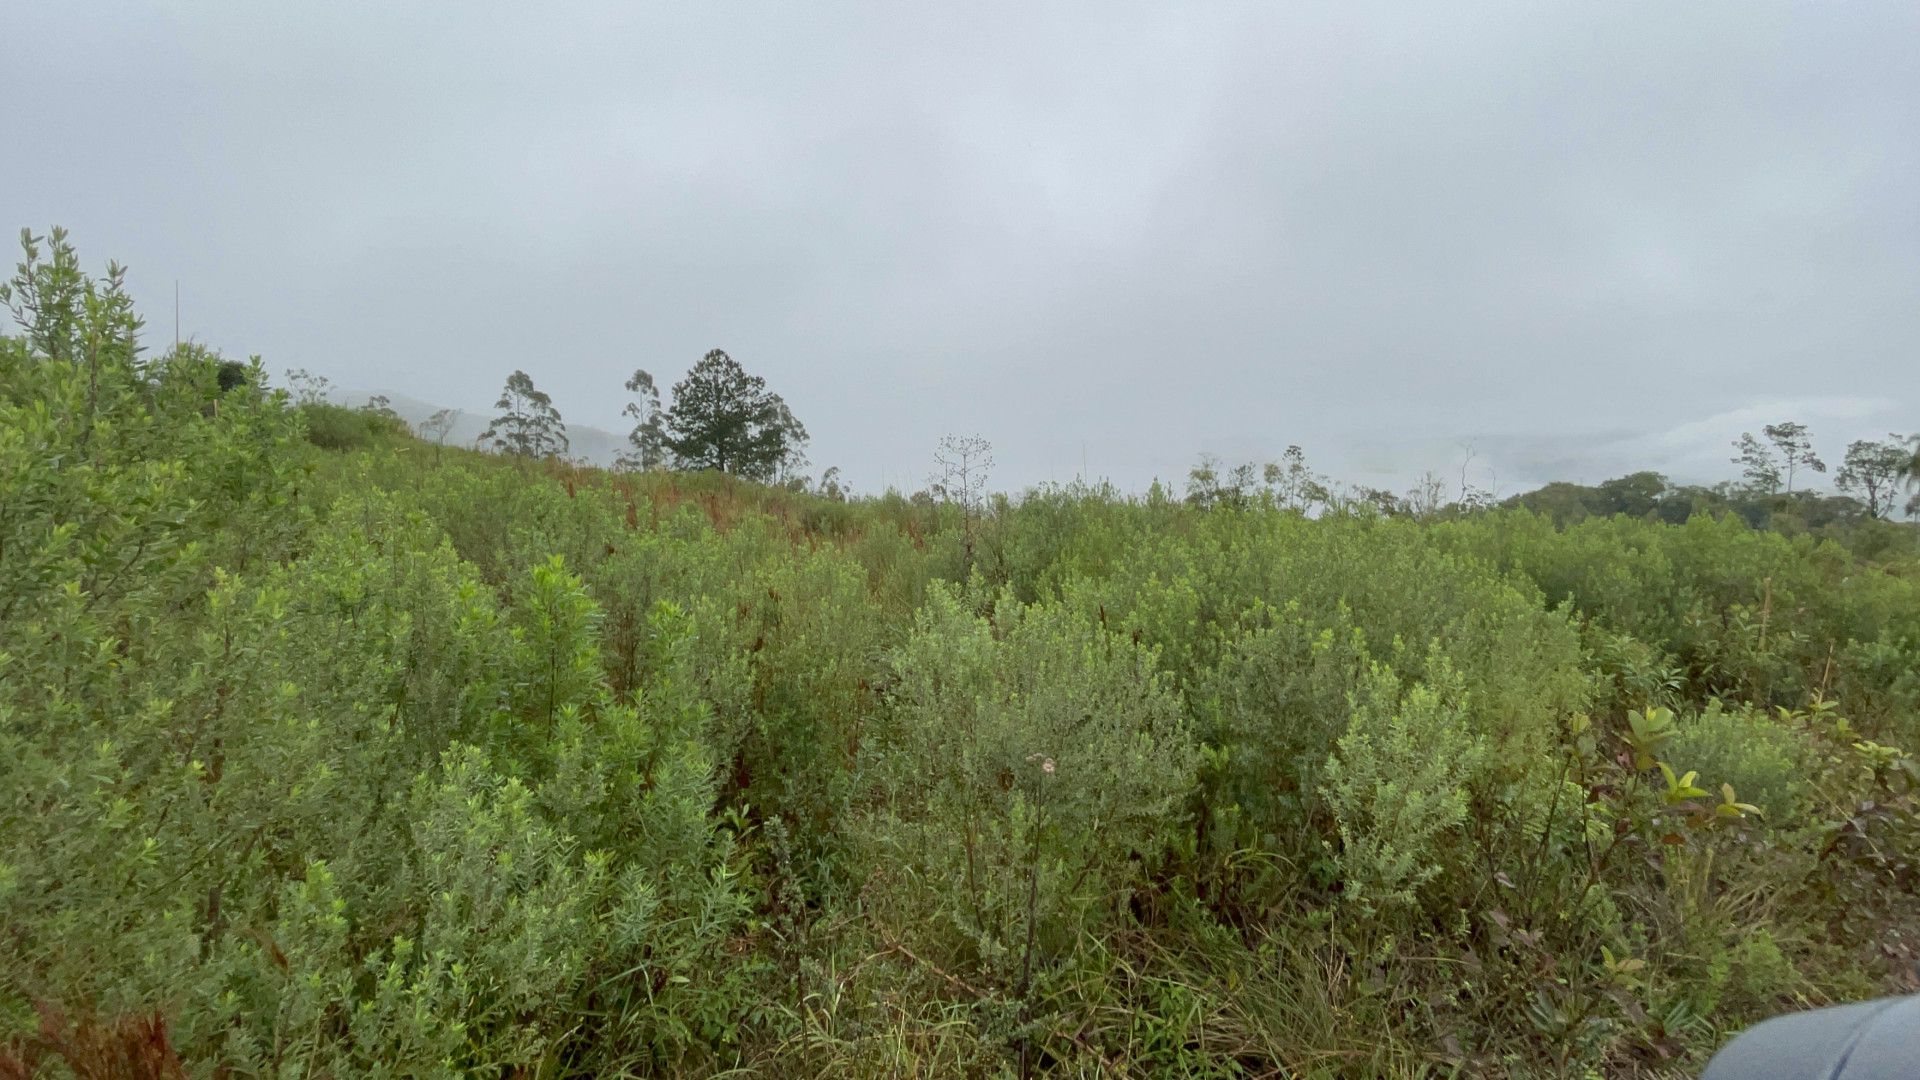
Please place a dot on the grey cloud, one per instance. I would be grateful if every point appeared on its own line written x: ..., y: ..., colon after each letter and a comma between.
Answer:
x: 1122, y: 234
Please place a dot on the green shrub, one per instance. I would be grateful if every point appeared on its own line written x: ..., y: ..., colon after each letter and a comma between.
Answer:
x: 1397, y: 784
x: 337, y: 427
x: 1271, y: 712
x: 1030, y: 771
x: 1768, y: 763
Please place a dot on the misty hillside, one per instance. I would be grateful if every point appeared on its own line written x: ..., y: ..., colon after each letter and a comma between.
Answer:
x: 588, y: 445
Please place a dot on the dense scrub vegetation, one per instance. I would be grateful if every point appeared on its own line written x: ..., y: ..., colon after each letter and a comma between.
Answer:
x: 403, y: 760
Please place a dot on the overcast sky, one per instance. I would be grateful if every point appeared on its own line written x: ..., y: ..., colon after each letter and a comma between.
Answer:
x: 1585, y: 238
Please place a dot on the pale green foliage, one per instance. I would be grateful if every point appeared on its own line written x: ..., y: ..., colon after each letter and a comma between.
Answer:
x: 560, y: 634
x: 1768, y: 763
x: 1031, y: 762
x: 66, y: 315
x: 297, y: 716
x: 1397, y: 784
x: 246, y: 775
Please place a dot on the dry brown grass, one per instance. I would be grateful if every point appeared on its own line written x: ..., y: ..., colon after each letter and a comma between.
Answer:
x: 129, y: 1047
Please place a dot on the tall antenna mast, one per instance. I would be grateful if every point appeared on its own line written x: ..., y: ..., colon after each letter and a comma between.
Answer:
x: 176, y: 315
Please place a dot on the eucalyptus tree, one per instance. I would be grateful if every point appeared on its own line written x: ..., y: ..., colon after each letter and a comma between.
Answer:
x: 1208, y: 487
x: 528, y: 424
x: 830, y: 486
x: 438, y: 426
x: 646, y: 443
x: 1293, y: 485
x: 1759, y: 468
x: 1796, y: 449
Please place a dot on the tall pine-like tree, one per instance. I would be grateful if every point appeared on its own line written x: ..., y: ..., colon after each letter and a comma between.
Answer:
x: 1759, y: 468
x: 1796, y: 449
x: 528, y: 424
x: 646, y: 443
x: 723, y: 418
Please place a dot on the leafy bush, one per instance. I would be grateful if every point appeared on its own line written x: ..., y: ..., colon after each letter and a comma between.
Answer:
x: 1028, y: 776
x: 1768, y: 763
x: 1398, y: 784
x: 337, y: 427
